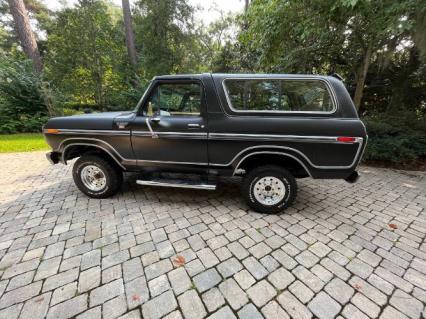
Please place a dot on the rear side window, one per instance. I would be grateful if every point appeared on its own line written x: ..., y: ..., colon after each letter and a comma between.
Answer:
x: 278, y: 95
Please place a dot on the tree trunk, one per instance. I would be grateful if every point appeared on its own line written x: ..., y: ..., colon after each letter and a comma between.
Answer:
x: 24, y: 32
x: 246, y: 5
x: 130, y: 39
x: 360, y: 77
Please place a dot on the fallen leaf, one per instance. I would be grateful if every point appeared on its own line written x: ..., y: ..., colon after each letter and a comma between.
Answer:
x: 135, y: 297
x: 38, y: 300
x: 393, y: 226
x: 357, y: 286
x: 179, y: 261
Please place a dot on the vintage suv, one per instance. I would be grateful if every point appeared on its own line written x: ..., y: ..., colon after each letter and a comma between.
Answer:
x: 267, y: 128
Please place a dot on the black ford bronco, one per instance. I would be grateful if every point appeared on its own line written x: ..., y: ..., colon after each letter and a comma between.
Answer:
x: 268, y: 129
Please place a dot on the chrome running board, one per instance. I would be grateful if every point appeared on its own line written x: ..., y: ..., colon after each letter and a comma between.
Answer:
x: 177, y: 183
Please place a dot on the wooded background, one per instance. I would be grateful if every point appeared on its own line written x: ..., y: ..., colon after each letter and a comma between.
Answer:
x: 96, y: 56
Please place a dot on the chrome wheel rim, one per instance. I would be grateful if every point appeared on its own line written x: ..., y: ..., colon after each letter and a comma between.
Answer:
x: 93, y: 178
x: 269, y: 190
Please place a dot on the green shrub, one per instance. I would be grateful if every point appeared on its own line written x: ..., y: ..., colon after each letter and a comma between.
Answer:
x: 397, y: 139
x: 23, y: 97
x: 23, y: 124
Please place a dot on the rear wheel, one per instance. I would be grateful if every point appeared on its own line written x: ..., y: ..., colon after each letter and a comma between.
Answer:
x: 269, y: 189
x: 96, y: 177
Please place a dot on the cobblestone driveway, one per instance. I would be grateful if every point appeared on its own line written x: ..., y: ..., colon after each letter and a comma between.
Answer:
x: 353, y: 251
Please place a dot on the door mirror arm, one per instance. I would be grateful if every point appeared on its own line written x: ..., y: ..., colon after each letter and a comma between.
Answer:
x: 153, y: 134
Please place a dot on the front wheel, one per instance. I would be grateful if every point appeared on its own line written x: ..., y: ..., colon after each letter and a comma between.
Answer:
x: 269, y: 189
x: 96, y: 177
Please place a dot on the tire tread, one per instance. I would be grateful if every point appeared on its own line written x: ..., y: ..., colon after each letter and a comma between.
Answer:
x: 274, y: 169
x: 114, y: 176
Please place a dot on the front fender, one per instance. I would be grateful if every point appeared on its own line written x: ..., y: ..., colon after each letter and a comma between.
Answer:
x: 65, y: 146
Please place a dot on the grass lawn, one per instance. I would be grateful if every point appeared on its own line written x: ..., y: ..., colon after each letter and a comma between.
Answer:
x: 22, y: 143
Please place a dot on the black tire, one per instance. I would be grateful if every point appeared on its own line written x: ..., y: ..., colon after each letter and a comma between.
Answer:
x: 112, y: 173
x: 280, y: 173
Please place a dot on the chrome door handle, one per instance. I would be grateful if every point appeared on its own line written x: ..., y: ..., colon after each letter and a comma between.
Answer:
x: 122, y: 124
x: 155, y: 119
x: 194, y: 125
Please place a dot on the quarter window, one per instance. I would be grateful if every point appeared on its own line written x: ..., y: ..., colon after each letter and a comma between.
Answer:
x: 278, y: 95
x: 175, y: 99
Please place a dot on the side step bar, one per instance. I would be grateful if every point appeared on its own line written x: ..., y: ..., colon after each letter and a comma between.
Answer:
x: 177, y: 183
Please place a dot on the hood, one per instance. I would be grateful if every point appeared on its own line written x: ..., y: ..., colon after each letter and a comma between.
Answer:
x: 92, y: 121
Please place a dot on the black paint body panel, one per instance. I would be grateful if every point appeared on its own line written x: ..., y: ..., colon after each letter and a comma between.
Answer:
x: 223, y: 138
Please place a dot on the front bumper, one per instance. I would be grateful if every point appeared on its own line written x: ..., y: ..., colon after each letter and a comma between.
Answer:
x: 53, y: 157
x: 353, y: 178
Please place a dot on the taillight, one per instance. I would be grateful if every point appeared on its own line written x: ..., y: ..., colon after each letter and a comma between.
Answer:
x: 346, y: 139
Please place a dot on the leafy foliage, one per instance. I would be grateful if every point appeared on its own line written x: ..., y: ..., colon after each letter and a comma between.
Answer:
x: 22, y: 105
x: 396, y: 139
x: 87, y: 58
x: 164, y: 36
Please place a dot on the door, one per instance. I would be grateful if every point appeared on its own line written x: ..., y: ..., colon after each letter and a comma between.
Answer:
x: 170, y: 128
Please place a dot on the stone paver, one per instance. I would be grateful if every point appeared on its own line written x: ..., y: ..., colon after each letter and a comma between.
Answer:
x: 36, y: 308
x: 159, y: 306
x: 249, y: 312
x: 339, y: 290
x: 342, y: 250
x: 158, y: 285
x: 213, y: 299
x: 103, y: 293
x: 191, y: 305
x: 323, y: 306
x: 261, y: 293
x: 207, y: 280
x: 274, y: 311
x: 407, y: 304
x: 179, y: 280
x: 233, y: 294
x: 69, y: 308
x: 89, y: 279
x: 137, y: 292
x: 223, y: 313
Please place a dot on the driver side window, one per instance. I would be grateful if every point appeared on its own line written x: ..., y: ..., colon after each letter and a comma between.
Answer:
x: 175, y: 99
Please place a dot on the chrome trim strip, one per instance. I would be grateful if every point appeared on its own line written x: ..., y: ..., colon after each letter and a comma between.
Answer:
x: 185, y: 133
x: 290, y: 138
x: 87, y: 144
x: 142, y: 133
x: 171, y: 162
x: 177, y: 185
x: 89, y: 132
x: 170, y: 134
x: 289, y: 78
x: 297, y: 151
x: 278, y: 153
x: 363, y: 151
